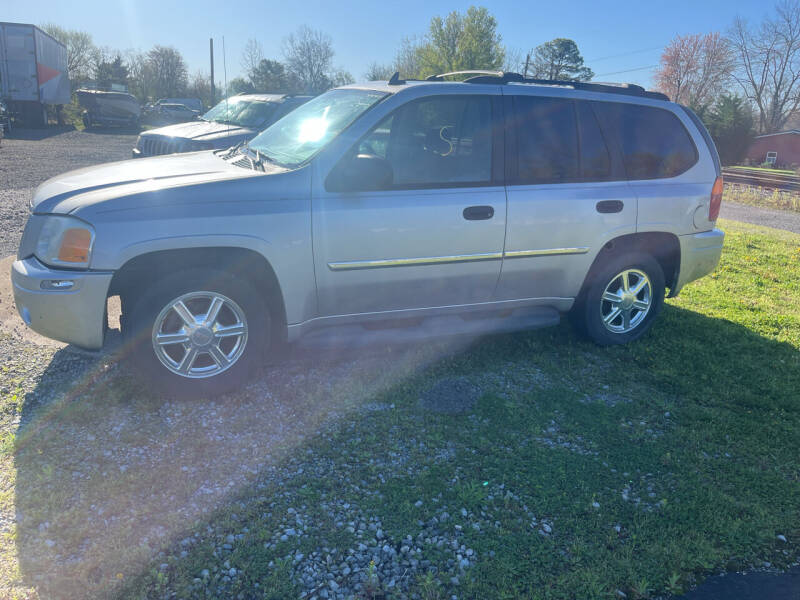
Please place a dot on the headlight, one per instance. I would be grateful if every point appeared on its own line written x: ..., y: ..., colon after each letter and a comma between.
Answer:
x: 65, y: 242
x: 138, y: 143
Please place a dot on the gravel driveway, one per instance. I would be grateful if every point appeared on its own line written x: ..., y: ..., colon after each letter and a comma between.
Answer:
x: 779, y: 219
x: 29, y: 158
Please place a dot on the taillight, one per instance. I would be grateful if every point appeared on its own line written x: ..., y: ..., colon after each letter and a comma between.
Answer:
x: 716, y: 200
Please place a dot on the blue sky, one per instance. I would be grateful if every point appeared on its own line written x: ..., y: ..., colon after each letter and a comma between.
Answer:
x: 613, y: 35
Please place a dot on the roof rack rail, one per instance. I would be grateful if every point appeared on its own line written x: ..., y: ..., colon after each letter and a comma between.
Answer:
x: 442, y: 75
x: 501, y: 77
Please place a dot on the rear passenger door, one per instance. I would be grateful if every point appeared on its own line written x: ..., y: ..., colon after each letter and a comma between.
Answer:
x: 660, y: 157
x: 567, y: 195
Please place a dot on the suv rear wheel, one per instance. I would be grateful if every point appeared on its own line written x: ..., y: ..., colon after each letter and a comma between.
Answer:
x: 200, y: 335
x: 621, y: 300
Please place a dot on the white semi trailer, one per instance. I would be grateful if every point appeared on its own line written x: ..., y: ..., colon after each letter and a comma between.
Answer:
x: 33, y: 71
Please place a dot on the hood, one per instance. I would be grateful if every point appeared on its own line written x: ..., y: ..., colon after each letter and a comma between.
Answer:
x: 67, y: 192
x: 203, y: 131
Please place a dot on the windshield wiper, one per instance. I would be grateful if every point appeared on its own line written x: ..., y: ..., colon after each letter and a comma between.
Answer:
x: 263, y: 157
x: 254, y: 155
x: 232, y: 150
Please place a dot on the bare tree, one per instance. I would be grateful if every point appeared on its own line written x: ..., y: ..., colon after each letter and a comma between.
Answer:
x: 378, y: 72
x: 200, y: 87
x: 168, y: 71
x: 514, y: 60
x: 80, y: 50
x: 407, y: 59
x: 695, y: 69
x: 139, y: 81
x: 308, y: 54
x: 768, y: 64
x: 252, y: 55
x: 341, y: 77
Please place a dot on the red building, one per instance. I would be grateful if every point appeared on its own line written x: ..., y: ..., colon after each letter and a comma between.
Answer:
x: 782, y: 149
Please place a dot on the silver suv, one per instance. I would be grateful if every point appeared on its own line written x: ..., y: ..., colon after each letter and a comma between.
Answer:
x: 387, y: 211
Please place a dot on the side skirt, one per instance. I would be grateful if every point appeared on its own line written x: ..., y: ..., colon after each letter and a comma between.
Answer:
x: 408, y: 326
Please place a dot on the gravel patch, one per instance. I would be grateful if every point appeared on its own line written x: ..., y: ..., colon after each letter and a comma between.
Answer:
x: 26, y: 161
x: 779, y: 219
x: 450, y: 396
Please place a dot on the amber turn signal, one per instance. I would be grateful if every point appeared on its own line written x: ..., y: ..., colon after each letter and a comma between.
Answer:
x: 75, y: 245
x: 716, y: 200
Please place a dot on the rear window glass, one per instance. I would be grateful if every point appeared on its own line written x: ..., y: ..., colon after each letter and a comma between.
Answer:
x: 653, y: 141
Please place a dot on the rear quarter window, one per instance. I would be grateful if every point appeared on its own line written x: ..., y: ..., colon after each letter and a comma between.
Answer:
x: 653, y: 141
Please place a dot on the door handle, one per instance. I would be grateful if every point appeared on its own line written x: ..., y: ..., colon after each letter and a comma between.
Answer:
x: 610, y: 206
x: 478, y: 213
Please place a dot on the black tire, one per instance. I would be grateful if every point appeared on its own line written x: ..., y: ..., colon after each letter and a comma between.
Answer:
x: 139, y: 323
x: 591, y: 308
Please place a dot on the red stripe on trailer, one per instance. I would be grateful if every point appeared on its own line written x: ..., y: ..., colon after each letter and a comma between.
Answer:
x: 45, y: 73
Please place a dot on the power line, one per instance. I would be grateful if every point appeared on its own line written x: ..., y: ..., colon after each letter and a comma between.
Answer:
x: 627, y: 71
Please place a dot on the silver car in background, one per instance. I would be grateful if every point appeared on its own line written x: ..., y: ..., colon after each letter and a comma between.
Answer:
x: 234, y: 120
x: 381, y: 212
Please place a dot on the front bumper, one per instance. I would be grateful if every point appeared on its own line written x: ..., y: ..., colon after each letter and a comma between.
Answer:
x: 75, y: 314
x: 700, y: 254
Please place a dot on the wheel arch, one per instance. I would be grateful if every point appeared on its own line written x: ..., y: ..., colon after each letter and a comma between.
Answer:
x: 244, y: 263
x: 664, y: 247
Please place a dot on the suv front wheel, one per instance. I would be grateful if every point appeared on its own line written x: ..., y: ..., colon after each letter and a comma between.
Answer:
x: 622, y: 299
x: 200, y: 335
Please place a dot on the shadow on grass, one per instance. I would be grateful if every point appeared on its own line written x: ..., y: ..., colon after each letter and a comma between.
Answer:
x: 112, y: 484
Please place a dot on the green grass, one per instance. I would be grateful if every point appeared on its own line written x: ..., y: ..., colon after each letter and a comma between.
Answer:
x: 762, y: 197
x: 699, y: 421
x: 768, y: 170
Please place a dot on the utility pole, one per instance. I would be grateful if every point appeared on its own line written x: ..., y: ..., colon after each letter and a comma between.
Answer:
x: 524, y: 73
x: 211, y: 51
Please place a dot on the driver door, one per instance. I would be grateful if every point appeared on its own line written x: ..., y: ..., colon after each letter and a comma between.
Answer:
x: 432, y: 234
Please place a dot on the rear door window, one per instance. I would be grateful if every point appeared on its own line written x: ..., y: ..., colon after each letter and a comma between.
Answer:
x: 595, y: 157
x: 547, y: 140
x: 653, y: 141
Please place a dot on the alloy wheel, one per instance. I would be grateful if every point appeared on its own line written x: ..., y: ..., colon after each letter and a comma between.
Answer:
x: 626, y: 301
x: 199, y: 334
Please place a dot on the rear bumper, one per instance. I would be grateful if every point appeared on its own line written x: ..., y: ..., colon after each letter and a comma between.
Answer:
x: 76, y: 315
x: 700, y: 254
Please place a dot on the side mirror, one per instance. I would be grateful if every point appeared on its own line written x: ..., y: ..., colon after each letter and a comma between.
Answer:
x: 361, y: 173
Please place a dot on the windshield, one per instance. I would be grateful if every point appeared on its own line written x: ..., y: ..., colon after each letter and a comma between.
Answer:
x: 305, y: 131
x: 242, y: 112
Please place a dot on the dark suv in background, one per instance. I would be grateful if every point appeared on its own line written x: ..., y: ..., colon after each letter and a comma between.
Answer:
x: 236, y: 119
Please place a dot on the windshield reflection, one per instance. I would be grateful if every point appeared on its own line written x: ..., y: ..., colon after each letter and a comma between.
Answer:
x: 302, y: 133
x: 241, y: 112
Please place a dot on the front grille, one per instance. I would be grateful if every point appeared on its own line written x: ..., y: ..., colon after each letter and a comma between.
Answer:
x: 155, y: 145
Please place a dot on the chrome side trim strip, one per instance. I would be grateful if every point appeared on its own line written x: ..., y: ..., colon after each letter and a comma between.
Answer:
x: 402, y: 262
x: 438, y: 260
x: 544, y: 252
